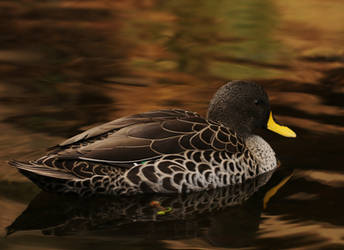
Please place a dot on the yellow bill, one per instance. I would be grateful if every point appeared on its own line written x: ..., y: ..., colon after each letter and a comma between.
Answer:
x: 279, y: 129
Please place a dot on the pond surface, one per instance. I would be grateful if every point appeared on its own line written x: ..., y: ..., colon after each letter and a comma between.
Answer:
x: 66, y: 66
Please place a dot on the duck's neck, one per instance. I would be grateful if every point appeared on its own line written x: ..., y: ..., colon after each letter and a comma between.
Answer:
x: 242, y: 127
x: 262, y: 152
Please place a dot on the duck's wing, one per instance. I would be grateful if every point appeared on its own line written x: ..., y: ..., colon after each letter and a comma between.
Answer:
x: 103, y: 130
x: 147, y: 136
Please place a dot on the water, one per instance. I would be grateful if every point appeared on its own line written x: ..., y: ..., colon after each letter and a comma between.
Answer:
x: 66, y: 66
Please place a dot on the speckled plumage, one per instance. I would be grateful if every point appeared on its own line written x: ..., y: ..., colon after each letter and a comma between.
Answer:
x: 165, y: 151
x: 206, y: 155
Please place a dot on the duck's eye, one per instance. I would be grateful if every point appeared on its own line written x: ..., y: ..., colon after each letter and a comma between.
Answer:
x: 258, y: 101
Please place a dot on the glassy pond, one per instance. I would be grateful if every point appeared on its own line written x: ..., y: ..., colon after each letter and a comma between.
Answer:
x: 68, y: 65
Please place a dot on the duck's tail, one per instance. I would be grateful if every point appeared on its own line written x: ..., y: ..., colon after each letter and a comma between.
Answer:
x: 40, y: 170
x: 48, y: 179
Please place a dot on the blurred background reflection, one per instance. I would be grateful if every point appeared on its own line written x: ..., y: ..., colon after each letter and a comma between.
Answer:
x: 69, y: 65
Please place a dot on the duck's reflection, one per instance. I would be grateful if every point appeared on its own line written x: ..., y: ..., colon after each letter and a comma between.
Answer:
x: 223, y: 217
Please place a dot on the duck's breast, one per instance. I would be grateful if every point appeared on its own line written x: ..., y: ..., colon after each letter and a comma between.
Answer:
x: 262, y: 152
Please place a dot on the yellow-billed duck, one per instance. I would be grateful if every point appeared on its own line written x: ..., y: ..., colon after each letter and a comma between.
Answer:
x: 166, y: 151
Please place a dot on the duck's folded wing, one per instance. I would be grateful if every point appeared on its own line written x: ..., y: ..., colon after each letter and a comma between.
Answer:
x: 115, y: 125
x: 145, y: 136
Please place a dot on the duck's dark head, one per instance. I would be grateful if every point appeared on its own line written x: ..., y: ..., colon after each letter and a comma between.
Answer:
x: 244, y: 106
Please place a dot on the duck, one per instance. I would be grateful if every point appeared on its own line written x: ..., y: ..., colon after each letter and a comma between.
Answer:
x: 166, y: 151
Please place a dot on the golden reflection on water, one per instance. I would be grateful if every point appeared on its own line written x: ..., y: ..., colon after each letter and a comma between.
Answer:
x: 329, y: 178
x: 314, y: 235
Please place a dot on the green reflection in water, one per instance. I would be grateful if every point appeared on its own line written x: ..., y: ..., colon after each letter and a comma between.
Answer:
x: 231, y: 70
x: 203, y: 38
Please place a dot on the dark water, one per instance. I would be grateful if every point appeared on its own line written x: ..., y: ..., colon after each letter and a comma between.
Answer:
x: 68, y: 65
